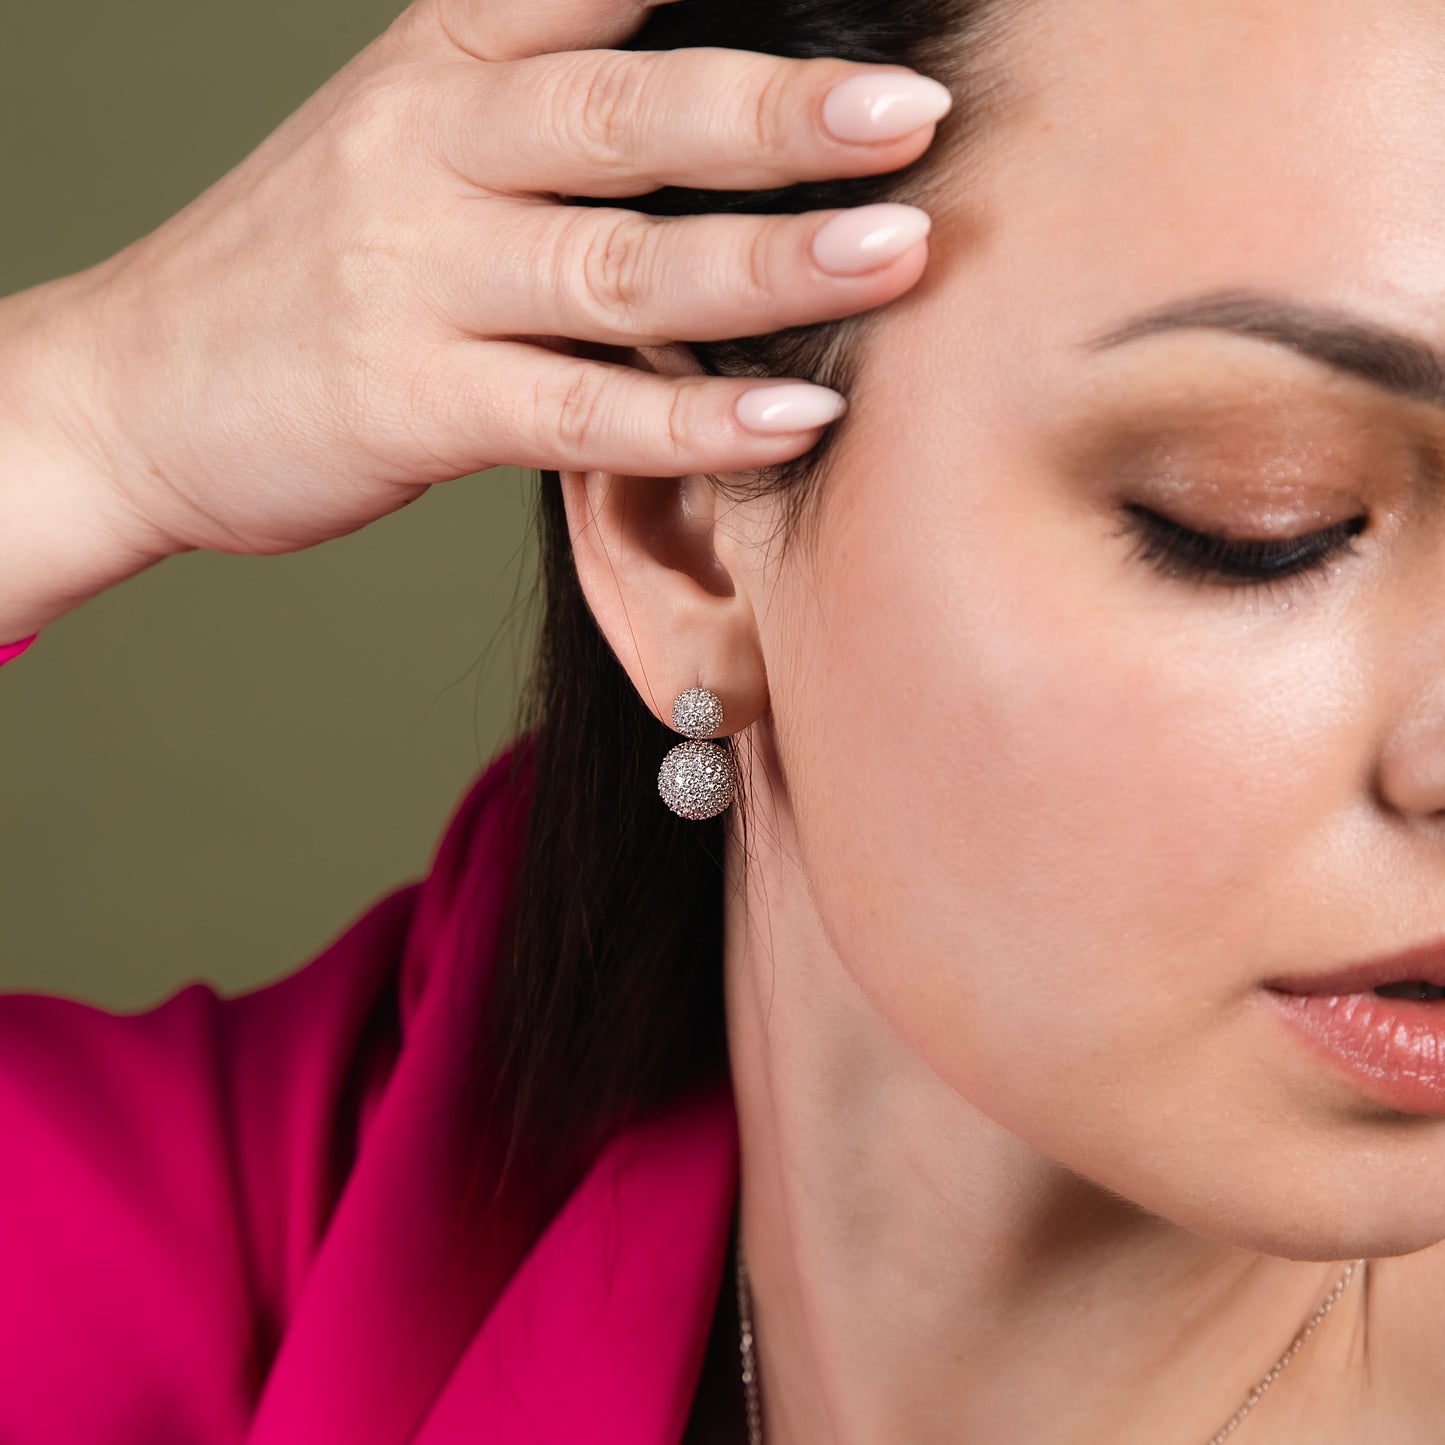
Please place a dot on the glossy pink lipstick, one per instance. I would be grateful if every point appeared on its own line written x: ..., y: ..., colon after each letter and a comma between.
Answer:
x: 1391, y: 1044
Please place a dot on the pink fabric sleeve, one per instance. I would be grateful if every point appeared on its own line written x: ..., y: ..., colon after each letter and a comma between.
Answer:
x: 10, y: 650
x: 168, y: 1176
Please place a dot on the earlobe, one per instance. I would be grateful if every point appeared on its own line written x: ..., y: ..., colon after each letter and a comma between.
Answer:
x: 672, y: 611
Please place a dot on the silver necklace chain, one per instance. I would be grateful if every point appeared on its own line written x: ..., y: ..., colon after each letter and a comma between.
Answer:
x: 750, y: 1363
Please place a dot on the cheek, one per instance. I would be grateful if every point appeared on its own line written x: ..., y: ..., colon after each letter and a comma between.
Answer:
x: 1048, y: 808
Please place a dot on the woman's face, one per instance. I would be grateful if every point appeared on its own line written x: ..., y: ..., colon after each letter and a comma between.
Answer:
x: 1061, y: 813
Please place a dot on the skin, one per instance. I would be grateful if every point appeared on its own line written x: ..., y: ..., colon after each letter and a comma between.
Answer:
x: 1026, y: 1154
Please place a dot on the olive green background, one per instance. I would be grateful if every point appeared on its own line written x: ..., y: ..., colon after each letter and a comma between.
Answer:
x: 210, y: 770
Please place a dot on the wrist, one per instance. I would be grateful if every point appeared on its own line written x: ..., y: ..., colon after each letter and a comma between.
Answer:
x: 67, y: 531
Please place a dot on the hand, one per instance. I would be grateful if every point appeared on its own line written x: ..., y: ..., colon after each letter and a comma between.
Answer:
x: 387, y: 292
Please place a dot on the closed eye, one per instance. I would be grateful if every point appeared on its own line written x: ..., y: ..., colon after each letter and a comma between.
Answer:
x: 1178, y: 551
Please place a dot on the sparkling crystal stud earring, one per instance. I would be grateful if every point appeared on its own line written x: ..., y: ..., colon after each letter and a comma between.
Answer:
x: 697, y: 779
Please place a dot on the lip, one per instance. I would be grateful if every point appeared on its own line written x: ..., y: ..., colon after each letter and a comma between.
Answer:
x: 1393, y: 1049
x: 1425, y: 962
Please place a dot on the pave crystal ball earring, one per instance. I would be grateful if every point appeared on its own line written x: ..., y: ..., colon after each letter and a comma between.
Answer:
x: 697, y: 779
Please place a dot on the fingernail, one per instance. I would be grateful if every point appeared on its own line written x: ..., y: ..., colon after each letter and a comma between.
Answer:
x: 883, y: 106
x: 868, y: 237
x: 792, y: 406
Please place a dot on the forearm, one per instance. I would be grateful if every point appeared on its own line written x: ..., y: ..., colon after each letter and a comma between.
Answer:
x: 66, y: 531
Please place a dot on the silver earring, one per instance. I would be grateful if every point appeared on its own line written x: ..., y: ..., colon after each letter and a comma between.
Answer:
x: 697, y: 779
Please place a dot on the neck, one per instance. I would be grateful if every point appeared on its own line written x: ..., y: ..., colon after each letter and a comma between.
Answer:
x: 921, y: 1274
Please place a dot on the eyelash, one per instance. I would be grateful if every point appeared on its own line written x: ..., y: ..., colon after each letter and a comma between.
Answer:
x: 1178, y: 551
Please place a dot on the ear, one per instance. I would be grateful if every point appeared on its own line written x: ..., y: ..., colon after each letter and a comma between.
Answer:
x: 663, y: 575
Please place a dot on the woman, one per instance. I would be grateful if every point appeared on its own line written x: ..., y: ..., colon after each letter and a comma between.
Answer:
x: 1092, y: 723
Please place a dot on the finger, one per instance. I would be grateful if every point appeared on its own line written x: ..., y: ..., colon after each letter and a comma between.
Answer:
x: 621, y: 123
x: 509, y: 29
x: 623, y: 278
x: 537, y: 408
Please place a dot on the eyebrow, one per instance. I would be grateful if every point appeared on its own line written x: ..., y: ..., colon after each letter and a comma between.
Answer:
x: 1402, y: 365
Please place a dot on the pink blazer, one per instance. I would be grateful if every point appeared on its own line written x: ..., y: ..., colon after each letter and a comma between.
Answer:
x: 242, y: 1219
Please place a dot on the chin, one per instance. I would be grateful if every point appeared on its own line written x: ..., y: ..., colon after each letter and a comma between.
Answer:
x: 1320, y: 1230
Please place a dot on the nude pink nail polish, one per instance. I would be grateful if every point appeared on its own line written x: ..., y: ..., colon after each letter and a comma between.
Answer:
x: 883, y: 105
x: 867, y: 237
x: 788, y: 407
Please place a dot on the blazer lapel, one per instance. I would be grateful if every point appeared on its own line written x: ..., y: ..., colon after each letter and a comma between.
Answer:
x: 406, y: 1271
x: 600, y: 1335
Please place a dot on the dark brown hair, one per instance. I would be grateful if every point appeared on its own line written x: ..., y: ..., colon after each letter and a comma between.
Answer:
x: 608, y: 1000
